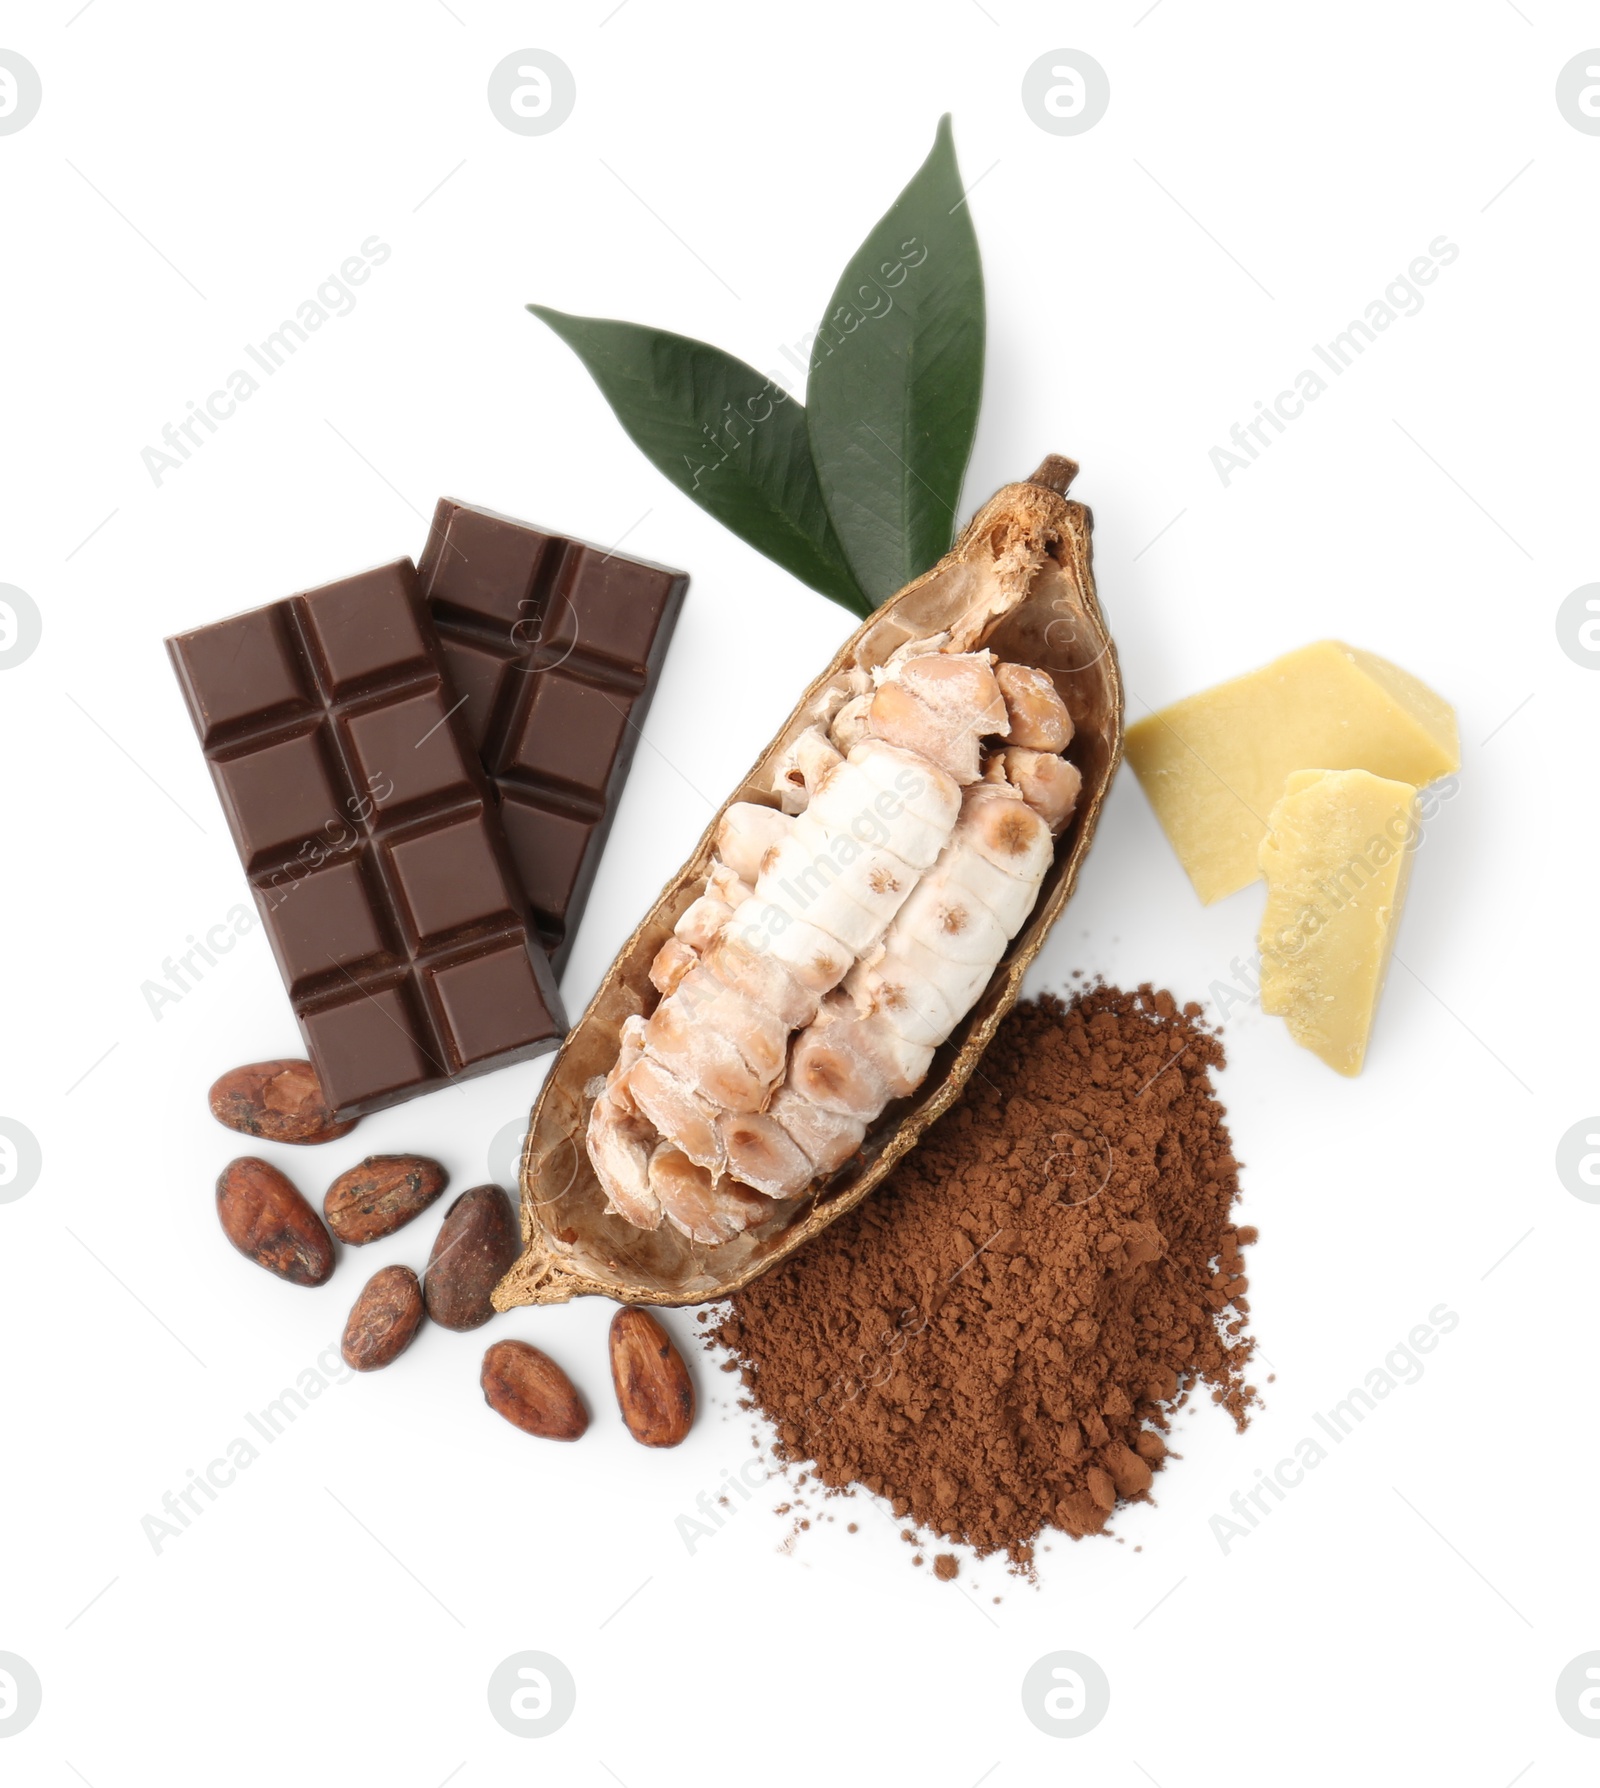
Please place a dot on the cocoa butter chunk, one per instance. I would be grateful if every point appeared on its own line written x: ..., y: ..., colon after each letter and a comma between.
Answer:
x: 1213, y: 764
x: 1337, y: 858
x: 476, y: 1246
x: 531, y: 1391
x: 280, y: 1101
x: 380, y: 1196
x: 384, y: 1320
x: 654, y: 1390
x: 269, y: 1222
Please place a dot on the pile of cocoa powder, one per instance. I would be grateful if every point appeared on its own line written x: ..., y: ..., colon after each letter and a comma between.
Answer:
x: 995, y: 1341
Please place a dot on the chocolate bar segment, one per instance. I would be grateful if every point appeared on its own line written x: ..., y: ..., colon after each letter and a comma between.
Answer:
x: 554, y: 648
x: 370, y: 840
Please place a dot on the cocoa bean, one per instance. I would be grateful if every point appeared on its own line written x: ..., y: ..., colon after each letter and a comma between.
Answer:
x: 654, y: 1390
x: 383, y: 1320
x: 380, y: 1196
x: 268, y: 1221
x: 475, y: 1247
x: 278, y: 1101
x: 532, y: 1392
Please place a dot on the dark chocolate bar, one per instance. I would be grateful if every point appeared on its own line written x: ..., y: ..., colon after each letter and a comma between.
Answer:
x: 370, y: 839
x: 555, y: 647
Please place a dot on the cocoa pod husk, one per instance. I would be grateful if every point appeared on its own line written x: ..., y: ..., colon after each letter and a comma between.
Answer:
x: 280, y: 1101
x: 269, y: 1222
x: 1020, y: 581
x: 384, y: 1319
x: 654, y: 1390
x: 531, y: 1391
x: 476, y: 1244
x: 381, y: 1195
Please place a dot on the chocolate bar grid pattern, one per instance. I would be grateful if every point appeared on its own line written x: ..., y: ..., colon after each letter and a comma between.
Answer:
x: 555, y: 647
x: 368, y: 837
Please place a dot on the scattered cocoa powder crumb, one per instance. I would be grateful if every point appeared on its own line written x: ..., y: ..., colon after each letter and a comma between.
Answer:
x: 852, y: 1528
x: 996, y: 1340
x: 945, y: 1567
x: 918, y: 1559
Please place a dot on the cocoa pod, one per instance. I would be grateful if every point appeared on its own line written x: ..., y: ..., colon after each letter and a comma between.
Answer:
x: 380, y: 1196
x: 278, y: 1101
x: 269, y: 1222
x: 532, y: 1392
x: 476, y: 1244
x: 654, y: 1390
x: 1020, y: 581
x: 383, y: 1320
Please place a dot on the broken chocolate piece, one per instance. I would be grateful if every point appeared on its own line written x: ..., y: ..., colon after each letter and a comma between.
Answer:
x: 555, y: 649
x: 370, y: 839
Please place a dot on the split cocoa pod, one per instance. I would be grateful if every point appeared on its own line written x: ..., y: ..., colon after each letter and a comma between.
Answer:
x: 1020, y: 582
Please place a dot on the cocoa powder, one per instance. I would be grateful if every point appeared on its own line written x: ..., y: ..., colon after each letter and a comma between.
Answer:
x: 996, y: 1340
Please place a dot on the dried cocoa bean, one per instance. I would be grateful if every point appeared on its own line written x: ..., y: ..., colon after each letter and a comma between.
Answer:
x: 475, y: 1247
x: 269, y: 1222
x: 278, y: 1101
x: 383, y: 1320
x: 380, y: 1196
x: 654, y: 1390
x: 532, y: 1392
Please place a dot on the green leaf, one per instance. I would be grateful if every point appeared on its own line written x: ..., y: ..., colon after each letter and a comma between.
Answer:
x: 725, y: 434
x: 896, y: 379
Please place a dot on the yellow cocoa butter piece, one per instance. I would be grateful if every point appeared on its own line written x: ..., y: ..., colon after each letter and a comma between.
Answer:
x: 1337, y: 856
x: 1213, y: 764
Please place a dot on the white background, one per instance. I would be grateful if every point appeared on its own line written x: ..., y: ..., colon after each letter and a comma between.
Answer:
x: 336, y: 1613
